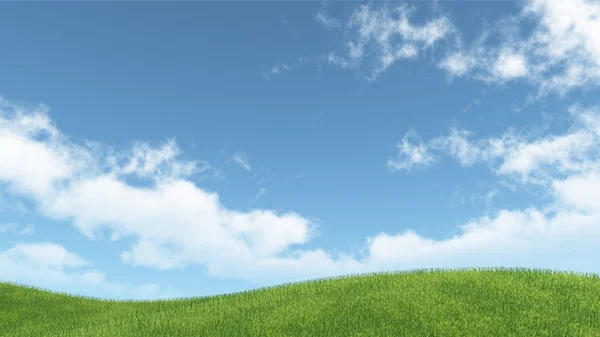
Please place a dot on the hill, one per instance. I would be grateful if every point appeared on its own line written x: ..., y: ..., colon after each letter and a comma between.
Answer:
x: 473, y: 302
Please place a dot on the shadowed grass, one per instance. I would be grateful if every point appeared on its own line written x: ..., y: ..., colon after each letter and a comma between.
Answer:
x: 467, y: 302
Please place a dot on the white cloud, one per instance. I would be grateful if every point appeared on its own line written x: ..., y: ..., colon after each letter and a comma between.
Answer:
x: 176, y: 223
x: 51, y: 266
x: 146, y: 161
x: 241, y: 159
x: 277, y: 69
x: 575, y: 221
x: 173, y: 223
x: 44, y: 255
x: 46, y: 163
x: 458, y: 64
x: 532, y: 160
x: 561, y: 53
x: 459, y: 146
x: 379, y: 36
x: 561, y: 153
x: 148, y: 253
x: 566, y: 165
x: 411, y: 155
x: 510, y: 66
x: 581, y: 191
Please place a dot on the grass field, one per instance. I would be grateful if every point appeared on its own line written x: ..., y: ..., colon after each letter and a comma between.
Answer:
x: 474, y: 302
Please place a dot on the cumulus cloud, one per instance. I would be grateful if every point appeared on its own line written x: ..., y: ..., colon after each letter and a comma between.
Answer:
x: 509, y: 65
x: 172, y: 223
x: 567, y: 166
x: 175, y: 222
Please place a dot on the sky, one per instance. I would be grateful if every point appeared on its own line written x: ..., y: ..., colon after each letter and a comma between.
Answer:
x: 164, y: 150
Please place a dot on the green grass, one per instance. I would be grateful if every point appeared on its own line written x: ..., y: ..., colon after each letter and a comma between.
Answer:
x: 473, y: 302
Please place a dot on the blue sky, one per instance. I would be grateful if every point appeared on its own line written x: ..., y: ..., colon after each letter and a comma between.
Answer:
x: 159, y: 150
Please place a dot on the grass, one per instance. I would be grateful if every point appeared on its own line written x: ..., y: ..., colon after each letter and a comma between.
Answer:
x: 471, y: 302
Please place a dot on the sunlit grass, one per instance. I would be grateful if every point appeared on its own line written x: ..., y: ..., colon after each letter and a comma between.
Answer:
x: 474, y: 302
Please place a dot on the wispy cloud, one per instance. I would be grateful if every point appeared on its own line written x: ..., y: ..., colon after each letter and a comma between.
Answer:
x: 146, y: 161
x: 412, y: 153
x: 458, y: 197
x: 379, y: 35
x: 18, y: 229
x: 561, y: 53
x: 533, y: 160
x: 323, y: 18
x: 260, y: 193
x: 279, y: 68
x: 241, y: 159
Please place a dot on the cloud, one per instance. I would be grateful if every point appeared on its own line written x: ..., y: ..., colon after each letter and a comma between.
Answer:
x: 51, y: 266
x: 458, y: 64
x: 175, y: 222
x: 379, y: 36
x: 566, y: 166
x: 509, y: 65
x: 145, y: 161
x: 172, y: 223
x: 325, y: 19
x: 279, y: 68
x: 260, y: 193
x: 561, y: 53
x: 44, y: 255
x: 15, y: 228
x: 532, y: 160
x: 241, y: 159
x: 411, y: 156
x: 580, y: 191
x: 509, y: 237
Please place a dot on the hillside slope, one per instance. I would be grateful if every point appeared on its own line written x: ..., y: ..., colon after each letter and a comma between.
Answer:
x: 498, y: 302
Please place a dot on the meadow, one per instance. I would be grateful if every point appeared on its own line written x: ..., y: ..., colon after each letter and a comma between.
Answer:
x: 464, y: 302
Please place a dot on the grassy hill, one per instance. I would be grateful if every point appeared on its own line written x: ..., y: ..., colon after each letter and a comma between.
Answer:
x: 475, y: 302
